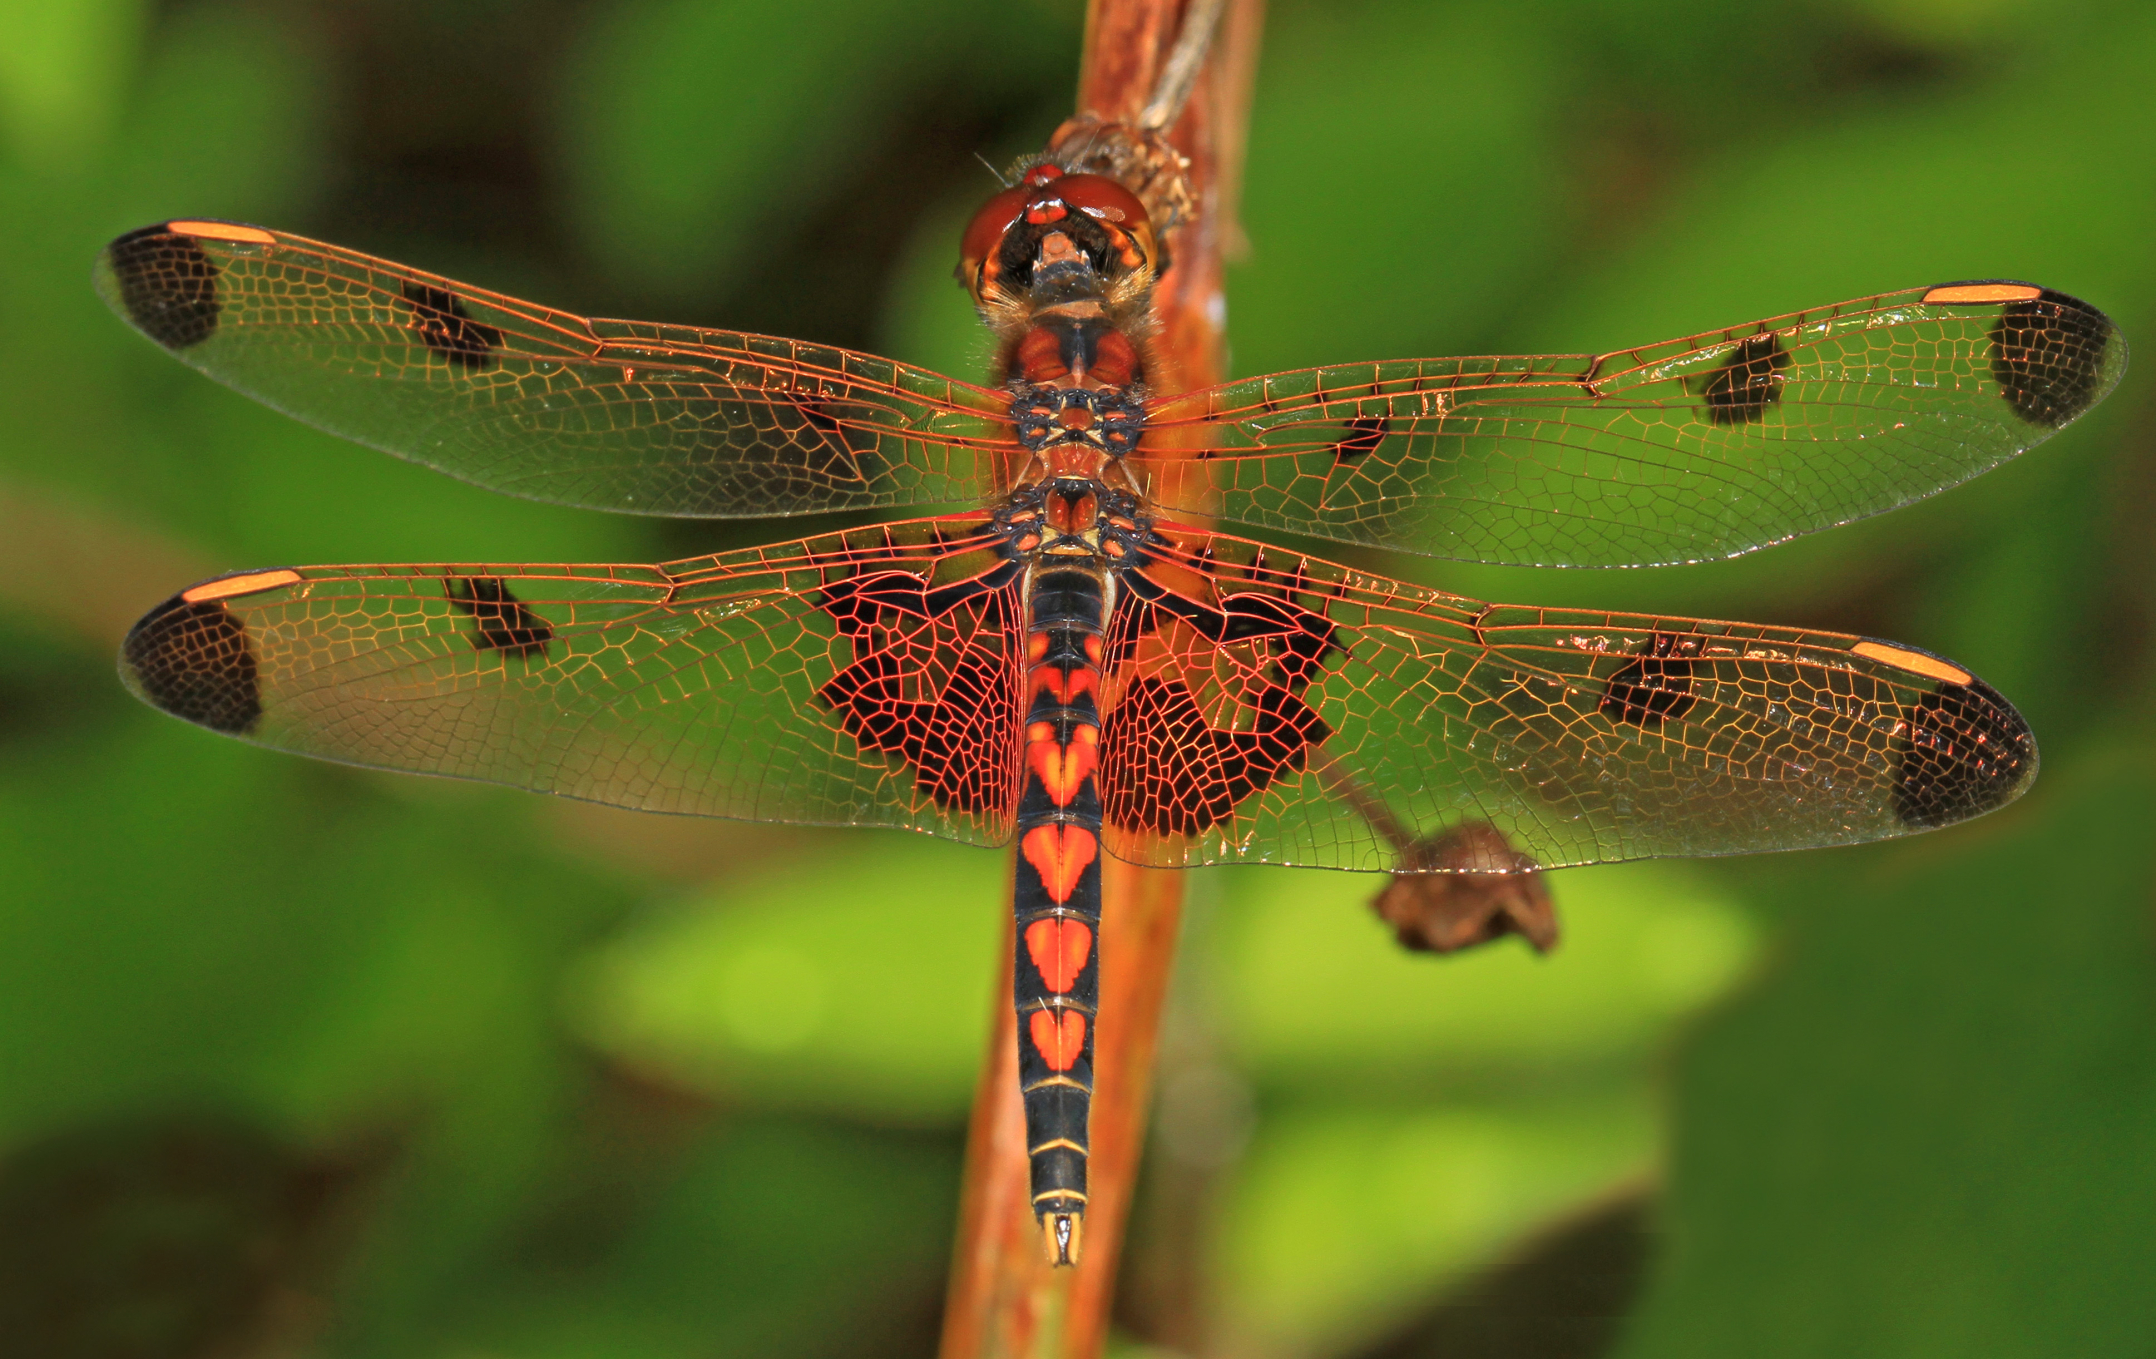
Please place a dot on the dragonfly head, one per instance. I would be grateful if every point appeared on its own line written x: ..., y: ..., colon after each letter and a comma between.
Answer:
x: 1054, y: 228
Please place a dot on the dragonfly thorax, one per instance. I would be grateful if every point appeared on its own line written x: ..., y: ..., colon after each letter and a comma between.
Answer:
x: 1076, y: 345
x: 1074, y: 518
x: 1054, y: 420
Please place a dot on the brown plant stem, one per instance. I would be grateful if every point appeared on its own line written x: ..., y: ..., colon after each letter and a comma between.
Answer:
x: 1005, y: 1300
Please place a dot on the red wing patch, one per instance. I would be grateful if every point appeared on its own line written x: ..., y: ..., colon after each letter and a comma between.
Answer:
x: 1206, y: 706
x: 1172, y: 771
x: 933, y: 681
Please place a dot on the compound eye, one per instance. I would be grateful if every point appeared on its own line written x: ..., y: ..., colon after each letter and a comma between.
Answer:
x: 1100, y: 196
x: 985, y: 232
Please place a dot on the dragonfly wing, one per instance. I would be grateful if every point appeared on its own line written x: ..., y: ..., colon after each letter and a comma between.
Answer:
x: 612, y: 415
x: 1696, y: 449
x: 863, y: 678
x: 1265, y: 707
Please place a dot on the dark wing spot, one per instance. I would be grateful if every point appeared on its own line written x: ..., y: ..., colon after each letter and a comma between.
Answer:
x: 443, y: 326
x: 1656, y: 687
x: 1968, y: 753
x: 193, y: 661
x: 506, y: 623
x: 168, y: 284
x: 2047, y: 355
x: 819, y: 416
x: 1750, y: 381
x: 840, y: 451
x: 1164, y: 770
x: 1298, y: 639
x: 1365, y: 433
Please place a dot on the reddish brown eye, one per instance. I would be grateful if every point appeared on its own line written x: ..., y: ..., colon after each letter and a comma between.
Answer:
x: 1102, y: 197
x: 986, y: 230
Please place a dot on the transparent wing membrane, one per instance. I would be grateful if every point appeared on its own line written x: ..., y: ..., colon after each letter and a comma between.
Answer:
x: 1272, y: 708
x: 539, y: 403
x: 1255, y: 705
x: 1259, y: 706
x: 1694, y: 449
x: 786, y: 683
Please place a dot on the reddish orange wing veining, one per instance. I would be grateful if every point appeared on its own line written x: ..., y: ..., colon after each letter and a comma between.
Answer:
x: 1693, y: 449
x: 538, y: 402
x: 860, y: 678
x: 1260, y: 704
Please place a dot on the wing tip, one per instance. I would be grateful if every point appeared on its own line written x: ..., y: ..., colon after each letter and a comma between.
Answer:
x: 2053, y: 355
x: 1967, y: 752
x: 191, y: 657
x: 163, y: 283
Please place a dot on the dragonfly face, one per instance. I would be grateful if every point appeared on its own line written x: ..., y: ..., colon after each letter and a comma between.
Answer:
x: 1103, y: 227
x: 1059, y: 662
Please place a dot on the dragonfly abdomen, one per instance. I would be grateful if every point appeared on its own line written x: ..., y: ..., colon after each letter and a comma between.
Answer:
x: 1056, y: 894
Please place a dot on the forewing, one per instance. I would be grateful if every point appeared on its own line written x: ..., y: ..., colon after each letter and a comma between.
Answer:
x: 612, y: 415
x: 1264, y: 707
x: 1699, y: 448
x: 856, y: 679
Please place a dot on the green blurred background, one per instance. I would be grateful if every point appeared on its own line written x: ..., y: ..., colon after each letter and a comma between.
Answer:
x: 299, y: 1060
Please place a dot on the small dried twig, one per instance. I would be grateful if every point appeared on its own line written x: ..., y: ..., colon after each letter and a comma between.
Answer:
x: 1456, y: 889
x: 1472, y: 887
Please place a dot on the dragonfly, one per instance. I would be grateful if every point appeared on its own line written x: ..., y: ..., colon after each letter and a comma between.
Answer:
x: 1067, y: 654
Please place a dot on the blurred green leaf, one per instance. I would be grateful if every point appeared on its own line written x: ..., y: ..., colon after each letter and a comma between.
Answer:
x: 1381, y: 149
x: 1932, y: 1131
x: 1316, y: 995
x: 779, y: 1238
x: 691, y: 129
x: 61, y: 69
x: 1342, y: 1221
x: 856, y: 977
